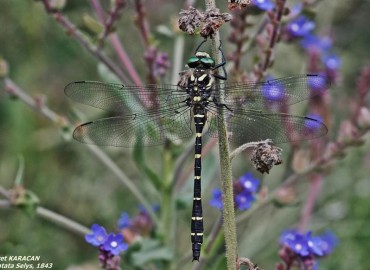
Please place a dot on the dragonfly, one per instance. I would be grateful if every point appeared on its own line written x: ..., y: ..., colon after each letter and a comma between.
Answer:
x: 150, y: 115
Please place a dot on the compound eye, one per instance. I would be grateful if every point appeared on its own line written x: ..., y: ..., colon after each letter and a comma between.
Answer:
x: 208, y: 61
x: 193, y: 62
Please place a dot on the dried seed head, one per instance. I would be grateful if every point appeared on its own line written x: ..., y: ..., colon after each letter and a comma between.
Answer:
x: 208, y: 21
x: 190, y: 20
x: 233, y: 4
x: 265, y: 156
x: 213, y: 20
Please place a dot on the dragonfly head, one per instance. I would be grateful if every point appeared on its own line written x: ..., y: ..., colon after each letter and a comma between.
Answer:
x: 201, y: 59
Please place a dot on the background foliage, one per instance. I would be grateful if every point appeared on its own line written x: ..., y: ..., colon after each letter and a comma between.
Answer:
x: 69, y: 180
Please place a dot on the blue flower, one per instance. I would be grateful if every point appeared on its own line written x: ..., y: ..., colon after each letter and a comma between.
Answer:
x: 304, y: 244
x: 328, y: 242
x: 318, y: 83
x: 263, y: 4
x: 310, y: 41
x: 244, y: 193
x: 124, y: 221
x: 244, y: 200
x: 249, y: 183
x: 296, y: 9
x: 216, y: 200
x: 98, y: 235
x: 114, y: 244
x: 313, y: 121
x: 272, y: 90
x: 300, y: 26
x: 314, y: 244
x: 331, y: 61
x: 296, y: 242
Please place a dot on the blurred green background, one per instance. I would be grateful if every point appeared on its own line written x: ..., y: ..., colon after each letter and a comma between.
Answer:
x: 69, y: 180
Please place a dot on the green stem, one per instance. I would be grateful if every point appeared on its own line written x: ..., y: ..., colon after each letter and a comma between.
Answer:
x: 225, y: 166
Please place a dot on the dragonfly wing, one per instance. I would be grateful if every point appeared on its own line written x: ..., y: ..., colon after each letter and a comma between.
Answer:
x: 123, y: 98
x: 135, y: 129
x: 266, y: 94
x: 250, y: 126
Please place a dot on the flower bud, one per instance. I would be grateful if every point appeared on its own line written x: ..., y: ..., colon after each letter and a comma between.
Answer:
x: 347, y: 132
x: 4, y: 68
x: 363, y: 119
x: 285, y: 196
x: 301, y: 160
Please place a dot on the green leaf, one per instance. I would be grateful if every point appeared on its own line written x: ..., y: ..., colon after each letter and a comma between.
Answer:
x: 151, y: 251
x: 221, y: 263
x: 139, y: 159
x: 184, y: 198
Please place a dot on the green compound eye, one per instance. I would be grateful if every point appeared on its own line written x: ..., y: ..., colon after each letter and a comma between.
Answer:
x: 193, y: 59
x: 193, y: 62
x: 208, y: 61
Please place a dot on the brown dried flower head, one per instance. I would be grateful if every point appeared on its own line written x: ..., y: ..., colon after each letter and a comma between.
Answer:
x: 208, y: 22
x: 265, y: 156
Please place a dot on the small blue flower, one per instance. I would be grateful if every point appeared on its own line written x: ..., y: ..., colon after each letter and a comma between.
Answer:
x: 114, y: 244
x: 328, y: 242
x: 300, y: 26
x: 318, y: 83
x: 98, y: 235
x: 263, y: 4
x: 314, y: 244
x: 296, y: 242
x: 272, y: 90
x: 124, y: 221
x: 216, y: 200
x: 244, y: 200
x: 310, y: 41
x: 296, y: 9
x: 332, y: 61
x: 249, y: 183
x: 313, y: 121
x: 306, y: 245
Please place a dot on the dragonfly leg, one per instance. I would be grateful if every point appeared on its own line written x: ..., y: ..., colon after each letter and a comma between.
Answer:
x: 215, y: 101
x: 200, y: 45
x: 222, y: 64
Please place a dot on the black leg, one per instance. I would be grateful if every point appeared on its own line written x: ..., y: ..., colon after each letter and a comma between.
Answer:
x: 215, y: 101
x: 200, y: 45
x: 221, y: 77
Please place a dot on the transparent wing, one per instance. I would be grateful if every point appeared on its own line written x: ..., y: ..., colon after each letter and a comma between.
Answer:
x: 287, y: 91
x: 251, y: 125
x: 144, y: 130
x: 126, y: 99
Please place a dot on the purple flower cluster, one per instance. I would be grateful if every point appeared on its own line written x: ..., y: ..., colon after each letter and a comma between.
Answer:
x: 301, y: 28
x: 245, y: 190
x: 303, y: 249
x: 141, y: 224
x: 110, y: 243
x: 158, y: 62
x: 312, y: 125
x: 273, y: 91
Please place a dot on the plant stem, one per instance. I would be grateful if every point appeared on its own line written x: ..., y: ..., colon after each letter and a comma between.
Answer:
x: 225, y: 165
